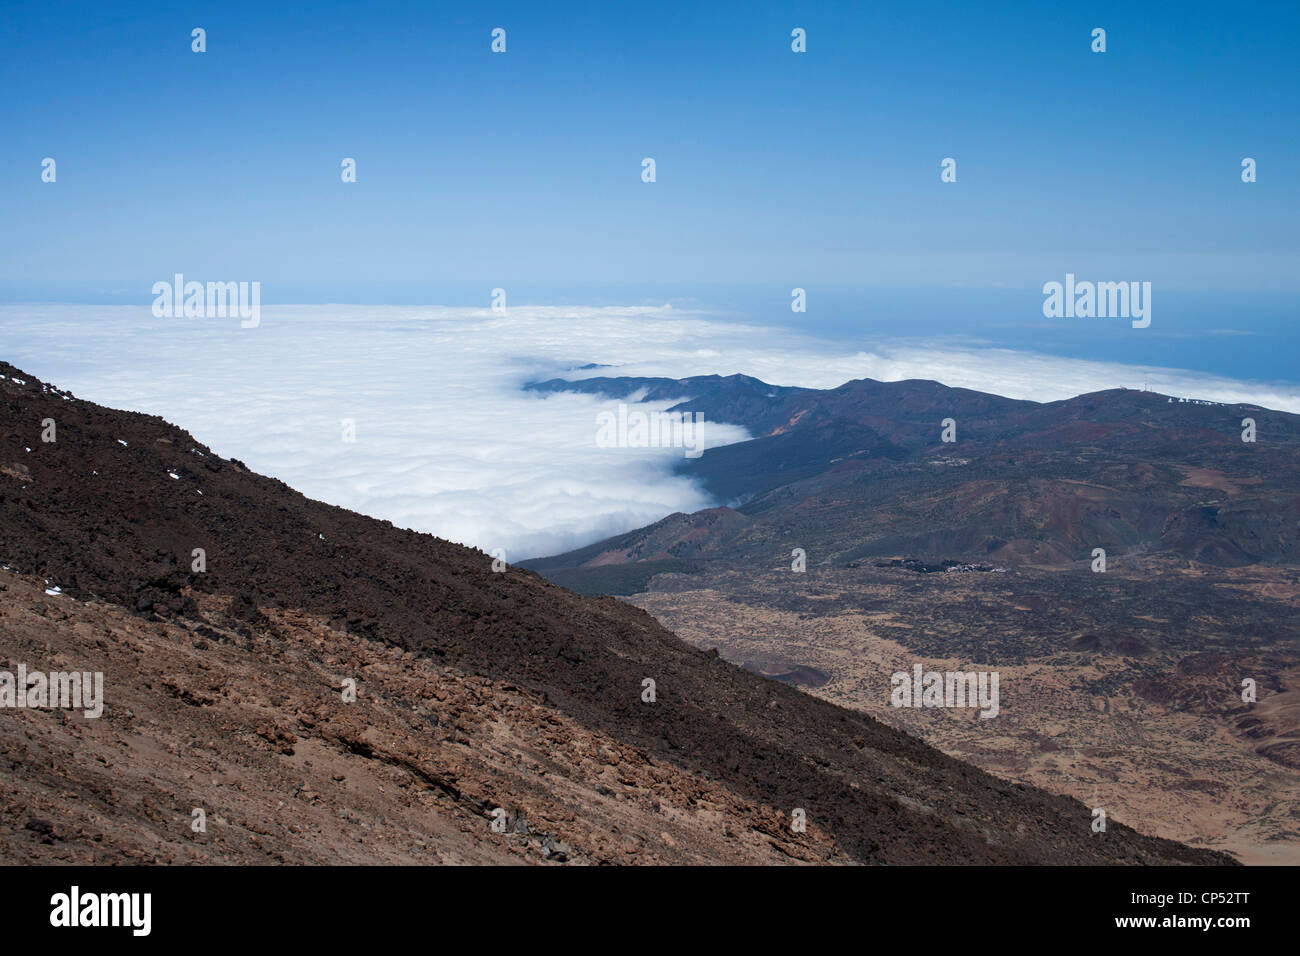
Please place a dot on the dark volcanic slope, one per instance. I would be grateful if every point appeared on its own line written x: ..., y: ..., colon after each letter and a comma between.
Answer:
x: 860, y: 471
x: 115, y: 507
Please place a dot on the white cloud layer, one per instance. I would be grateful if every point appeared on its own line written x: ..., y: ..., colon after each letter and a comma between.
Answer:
x: 446, y: 442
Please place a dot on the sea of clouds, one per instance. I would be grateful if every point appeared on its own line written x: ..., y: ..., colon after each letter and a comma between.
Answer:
x: 446, y: 440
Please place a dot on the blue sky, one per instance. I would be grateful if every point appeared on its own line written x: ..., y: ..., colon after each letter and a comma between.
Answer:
x: 526, y: 165
x: 775, y: 169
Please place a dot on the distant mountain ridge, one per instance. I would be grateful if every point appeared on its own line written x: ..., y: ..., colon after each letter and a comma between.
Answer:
x: 862, y: 470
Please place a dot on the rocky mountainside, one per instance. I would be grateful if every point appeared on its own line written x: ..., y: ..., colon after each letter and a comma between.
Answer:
x: 474, y: 688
